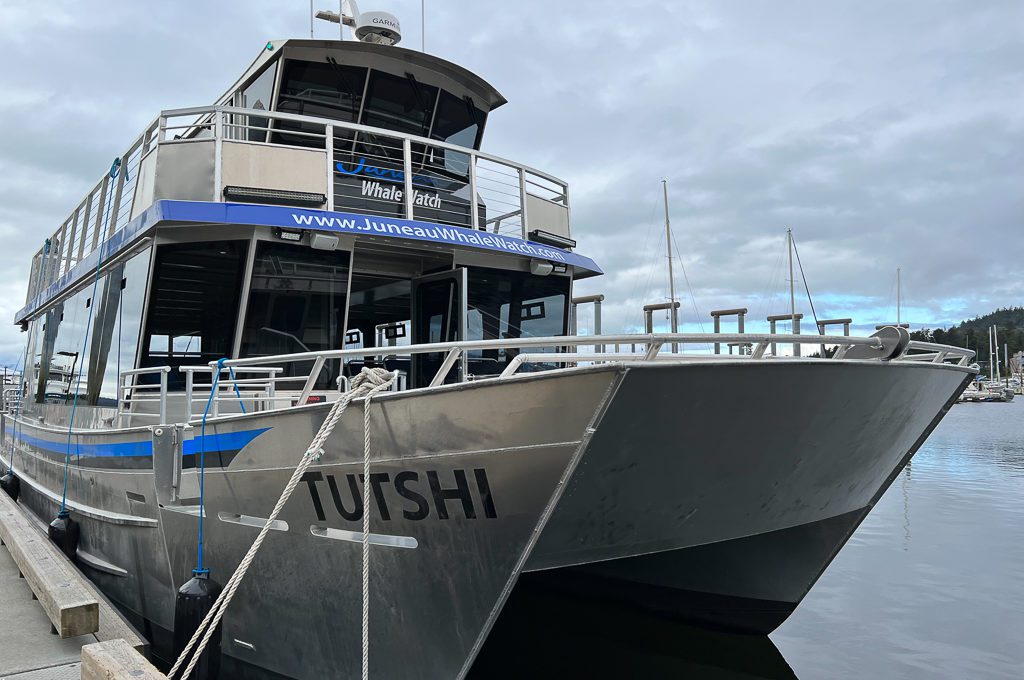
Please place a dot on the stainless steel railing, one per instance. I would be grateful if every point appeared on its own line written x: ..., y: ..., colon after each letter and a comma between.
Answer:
x: 468, y: 188
x: 271, y: 389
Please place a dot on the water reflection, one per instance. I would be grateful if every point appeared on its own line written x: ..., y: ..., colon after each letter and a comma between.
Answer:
x: 551, y: 636
x: 929, y: 585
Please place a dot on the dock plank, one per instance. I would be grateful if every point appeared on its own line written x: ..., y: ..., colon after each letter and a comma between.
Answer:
x: 116, y: 659
x: 61, y: 590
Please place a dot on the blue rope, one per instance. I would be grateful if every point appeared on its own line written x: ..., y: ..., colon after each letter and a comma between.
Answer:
x: 78, y: 383
x: 235, y: 382
x: 202, y: 469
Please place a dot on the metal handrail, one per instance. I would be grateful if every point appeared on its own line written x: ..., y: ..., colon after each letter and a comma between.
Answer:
x: 124, y: 401
x: 652, y: 341
x: 223, y: 383
x: 110, y: 204
x: 330, y: 122
x: 652, y: 344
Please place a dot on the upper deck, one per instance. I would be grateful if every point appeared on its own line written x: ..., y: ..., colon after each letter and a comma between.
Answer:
x: 341, y: 133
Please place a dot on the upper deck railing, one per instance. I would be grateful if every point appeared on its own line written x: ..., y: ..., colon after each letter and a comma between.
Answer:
x: 223, y: 153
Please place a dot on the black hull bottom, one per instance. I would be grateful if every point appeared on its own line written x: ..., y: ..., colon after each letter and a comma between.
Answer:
x: 746, y: 585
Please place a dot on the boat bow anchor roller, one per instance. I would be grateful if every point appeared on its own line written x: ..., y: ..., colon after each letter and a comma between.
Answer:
x: 197, y: 317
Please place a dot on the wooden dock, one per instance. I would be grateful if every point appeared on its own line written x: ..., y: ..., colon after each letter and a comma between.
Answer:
x: 54, y: 624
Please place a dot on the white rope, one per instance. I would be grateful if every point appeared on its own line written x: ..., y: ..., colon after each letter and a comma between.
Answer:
x: 367, y: 383
x: 366, y: 540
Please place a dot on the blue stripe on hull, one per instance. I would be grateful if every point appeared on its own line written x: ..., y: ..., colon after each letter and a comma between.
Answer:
x: 230, y: 442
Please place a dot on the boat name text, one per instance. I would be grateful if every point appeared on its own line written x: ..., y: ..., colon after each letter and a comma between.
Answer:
x: 404, y: 494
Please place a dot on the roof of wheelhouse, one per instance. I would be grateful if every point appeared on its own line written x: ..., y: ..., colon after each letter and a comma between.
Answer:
x: 425, y: 67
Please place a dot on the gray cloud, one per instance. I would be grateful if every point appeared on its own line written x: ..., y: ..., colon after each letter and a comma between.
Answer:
x: 884, y: 134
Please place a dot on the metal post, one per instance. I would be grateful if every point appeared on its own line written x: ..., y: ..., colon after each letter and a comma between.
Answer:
x: 522, y: 204
x: 597, y: 322
x: 796, y: 331
x: 188, y: 395
x: 771, y: 331
x: 218, y: 153
x: 163, y: 397
x: 329, y: 148
x: 407, y: 169
x: 474, y: 216
x: 739, y: 313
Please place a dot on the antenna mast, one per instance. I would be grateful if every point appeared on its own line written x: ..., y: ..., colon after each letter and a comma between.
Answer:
x: 671, y: 278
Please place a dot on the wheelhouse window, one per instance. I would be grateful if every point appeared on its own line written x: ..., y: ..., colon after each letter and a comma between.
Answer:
x: 193, y: 306
x: 297, y: 301
x: 507, y: 304
x: 259, y: 95
x: 320, y: 89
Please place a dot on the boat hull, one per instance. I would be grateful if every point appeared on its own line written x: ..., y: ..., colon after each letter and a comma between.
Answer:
x: 724, y: 505
x: 660, y: 486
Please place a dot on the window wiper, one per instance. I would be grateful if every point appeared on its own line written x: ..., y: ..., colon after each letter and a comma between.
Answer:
x: 424, y: 104
x: 343, y: 80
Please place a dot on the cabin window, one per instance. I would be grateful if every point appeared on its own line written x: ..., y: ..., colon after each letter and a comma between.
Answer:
x: 297, y: 303
x: 193, y: 306
x: 320, y: 89
x: 62, y: 360
x: 508, y: 304
x: 116, y: 320
x: 379, y: 316
x: 259, y: 95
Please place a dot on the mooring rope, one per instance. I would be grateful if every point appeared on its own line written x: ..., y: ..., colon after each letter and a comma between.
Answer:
x: 369, y: 382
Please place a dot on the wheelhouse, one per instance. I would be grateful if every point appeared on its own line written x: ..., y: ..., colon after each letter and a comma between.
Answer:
x: 334, y: 198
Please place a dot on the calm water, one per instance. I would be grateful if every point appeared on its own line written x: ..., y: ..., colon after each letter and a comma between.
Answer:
x: 930, y: 586
x: 932, y: 583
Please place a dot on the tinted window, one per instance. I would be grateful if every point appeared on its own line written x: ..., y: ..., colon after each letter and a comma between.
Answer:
x: 506, y: 304
x: 297, y: 304
x: 61, y: 354
x: 258, y: 96
x: 397, y: 103
x: 116, y: 321
x: 194, y: 304
x: 321, y: 89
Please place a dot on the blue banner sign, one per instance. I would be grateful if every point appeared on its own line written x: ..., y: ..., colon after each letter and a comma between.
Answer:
x: 202, y: 212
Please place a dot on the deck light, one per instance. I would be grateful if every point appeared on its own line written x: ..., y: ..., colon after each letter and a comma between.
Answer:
x: 541, y: 267
x: 286, y: 235
x: 278, y: 196
x: 549, y: 239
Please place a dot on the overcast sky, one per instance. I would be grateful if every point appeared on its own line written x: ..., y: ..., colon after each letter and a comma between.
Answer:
x: 884, y: 134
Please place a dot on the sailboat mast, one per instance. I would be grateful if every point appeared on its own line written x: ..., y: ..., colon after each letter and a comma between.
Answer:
x: 898, y: 291
x: 792, y: 292
x: 673, y: 315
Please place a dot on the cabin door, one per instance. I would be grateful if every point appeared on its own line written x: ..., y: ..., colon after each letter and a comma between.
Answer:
x: 438, y: 315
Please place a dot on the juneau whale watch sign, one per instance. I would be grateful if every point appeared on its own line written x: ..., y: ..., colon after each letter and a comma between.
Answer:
x: 374, y: 188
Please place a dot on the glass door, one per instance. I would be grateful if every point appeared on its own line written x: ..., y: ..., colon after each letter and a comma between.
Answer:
x: 438, y: 315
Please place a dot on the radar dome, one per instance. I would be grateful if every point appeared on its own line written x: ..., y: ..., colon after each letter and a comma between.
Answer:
x: 378, y: 27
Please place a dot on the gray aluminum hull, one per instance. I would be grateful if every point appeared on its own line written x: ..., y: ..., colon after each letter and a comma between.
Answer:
x: 716, y: 491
